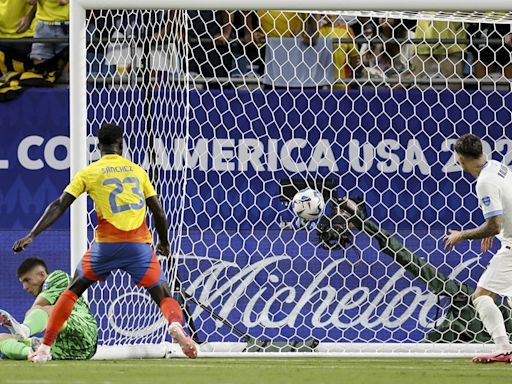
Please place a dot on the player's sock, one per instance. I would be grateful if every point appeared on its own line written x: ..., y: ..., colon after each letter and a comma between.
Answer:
x: 171, y: 310
x: 493, y: 321
x: 60, y: 313
x: 14, y: 349
x: 36, y: 321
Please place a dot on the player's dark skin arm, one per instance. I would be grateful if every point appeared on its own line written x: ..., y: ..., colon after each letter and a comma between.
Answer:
x: 161, y: 227
x: 161, y: 291
x: 51, y: 214
x: 491, y: 227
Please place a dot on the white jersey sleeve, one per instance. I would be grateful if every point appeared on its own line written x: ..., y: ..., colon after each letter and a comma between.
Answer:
x: 489, y: 198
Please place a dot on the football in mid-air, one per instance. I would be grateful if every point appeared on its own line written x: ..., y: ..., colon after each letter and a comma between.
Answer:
x: 308, y: 204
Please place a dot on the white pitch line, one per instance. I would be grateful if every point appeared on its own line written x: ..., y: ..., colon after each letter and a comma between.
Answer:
x: 232, y: 361
x: 341, y: 365
x: 23, y: 381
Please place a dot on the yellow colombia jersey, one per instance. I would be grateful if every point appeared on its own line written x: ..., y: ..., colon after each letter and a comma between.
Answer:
x: 281, y: 24
x: 342, y: 51
x: 119, y: 189
x: 51, y: 10
x: 11, y: 11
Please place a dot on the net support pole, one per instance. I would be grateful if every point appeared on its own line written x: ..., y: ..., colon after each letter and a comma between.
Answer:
x: 77, y: 126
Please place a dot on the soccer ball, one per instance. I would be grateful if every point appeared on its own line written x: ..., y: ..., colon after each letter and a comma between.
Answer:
x: 308, y: 204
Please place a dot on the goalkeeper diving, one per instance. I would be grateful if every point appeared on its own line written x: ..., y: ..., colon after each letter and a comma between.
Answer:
x: 461, y: 323
x: 78, y: 338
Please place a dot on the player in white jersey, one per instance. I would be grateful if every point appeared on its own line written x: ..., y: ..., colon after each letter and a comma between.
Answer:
x: 494, y: 191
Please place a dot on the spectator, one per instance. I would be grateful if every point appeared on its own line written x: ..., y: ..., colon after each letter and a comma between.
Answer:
x: 393, y: 33
x: 16, y: 21
x: 441, y: 59
x: 292, y: 57
x: 52, y: 22
x: 244, y: 39
x: 387, y: 55
x: 165, y: 53
x: 289, y: 24
x: 346, y: 55
x: 209, y: 36
x: 492, y: 57
x: 367, y: 49
x: 149, y: 41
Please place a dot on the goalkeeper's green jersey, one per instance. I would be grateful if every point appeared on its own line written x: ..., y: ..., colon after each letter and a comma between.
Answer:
x: 78, y: 337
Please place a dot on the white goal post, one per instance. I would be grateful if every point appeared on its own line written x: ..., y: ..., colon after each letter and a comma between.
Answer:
x: 253, y: 282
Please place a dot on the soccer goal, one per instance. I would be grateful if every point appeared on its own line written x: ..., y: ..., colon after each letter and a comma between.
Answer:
x: 232, y: 112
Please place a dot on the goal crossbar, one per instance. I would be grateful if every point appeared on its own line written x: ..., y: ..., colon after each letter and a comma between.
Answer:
x: 425, y: 5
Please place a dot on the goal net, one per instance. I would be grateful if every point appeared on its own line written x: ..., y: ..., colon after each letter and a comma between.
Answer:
x: 232, y: 112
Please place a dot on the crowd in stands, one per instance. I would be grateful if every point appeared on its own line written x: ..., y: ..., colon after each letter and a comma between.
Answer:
x: 32, y: 63
x: 274, y: 49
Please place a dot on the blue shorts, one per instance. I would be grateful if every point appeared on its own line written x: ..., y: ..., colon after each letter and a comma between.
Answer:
x: 45, y: 51
x: 137, y: 259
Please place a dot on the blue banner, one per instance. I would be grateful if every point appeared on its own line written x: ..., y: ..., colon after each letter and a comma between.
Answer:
x: 394, y: 148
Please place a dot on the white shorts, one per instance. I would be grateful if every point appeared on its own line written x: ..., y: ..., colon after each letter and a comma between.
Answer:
x: 497, y: 277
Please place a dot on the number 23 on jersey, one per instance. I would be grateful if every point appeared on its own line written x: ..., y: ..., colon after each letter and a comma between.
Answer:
x: 128, y: 185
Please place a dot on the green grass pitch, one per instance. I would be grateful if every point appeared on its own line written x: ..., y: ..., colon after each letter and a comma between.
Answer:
x: 258, y: 371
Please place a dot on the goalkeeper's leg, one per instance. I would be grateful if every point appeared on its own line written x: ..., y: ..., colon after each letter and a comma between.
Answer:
x: 12, y: 347
x: 59, y: 315
x: 36, y: 319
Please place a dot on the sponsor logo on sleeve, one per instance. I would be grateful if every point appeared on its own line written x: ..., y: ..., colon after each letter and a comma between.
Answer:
x: 486, y: 200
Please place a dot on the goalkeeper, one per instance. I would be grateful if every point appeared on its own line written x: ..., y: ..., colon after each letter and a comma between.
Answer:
x: 78, y: 338
x: 461, y: 323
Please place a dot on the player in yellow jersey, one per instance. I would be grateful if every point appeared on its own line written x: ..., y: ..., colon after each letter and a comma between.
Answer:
x: 346, y: 57
x: 121, y: 190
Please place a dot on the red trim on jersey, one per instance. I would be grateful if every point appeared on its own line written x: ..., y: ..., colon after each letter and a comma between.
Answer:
x: 108, y: 233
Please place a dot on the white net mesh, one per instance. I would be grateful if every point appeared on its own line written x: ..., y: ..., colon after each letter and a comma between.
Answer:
x: 233, y: 111
x: 136, y: 82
